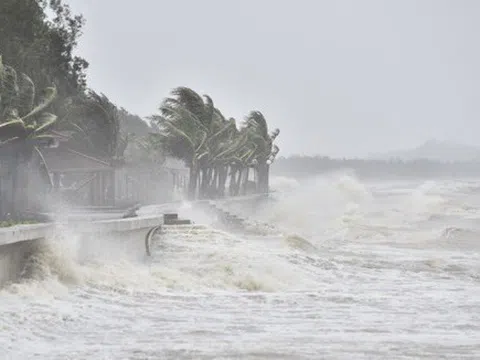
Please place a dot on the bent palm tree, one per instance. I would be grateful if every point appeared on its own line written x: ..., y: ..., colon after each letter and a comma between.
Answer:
x: 24, y: 128
x: 95, y: 121
x: 265, y: 150
x: 184, y: 123
x: 192, y: 129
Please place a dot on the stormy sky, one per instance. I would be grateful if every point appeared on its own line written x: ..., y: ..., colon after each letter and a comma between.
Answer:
x: 338, y: 77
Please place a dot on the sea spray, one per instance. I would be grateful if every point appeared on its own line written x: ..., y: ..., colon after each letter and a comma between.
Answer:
x: 412, y: 281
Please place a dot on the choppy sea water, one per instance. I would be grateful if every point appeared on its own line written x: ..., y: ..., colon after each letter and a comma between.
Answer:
x: 346, y: 270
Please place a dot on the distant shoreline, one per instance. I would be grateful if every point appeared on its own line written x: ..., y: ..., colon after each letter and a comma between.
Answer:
x: 305, y: 166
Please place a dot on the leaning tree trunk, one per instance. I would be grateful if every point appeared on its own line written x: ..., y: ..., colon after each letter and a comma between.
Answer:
x: 210, y: 186
x: 222, y: 179
x: 263, y: 177
x: 233, y: 180
x: 216, y: 182
x: 192, y: 182
x: 19, y: 183
x: 238, y: 181
x: 9, y: 184
x: 17, y: 201
x: 5, y: 186
x: 267, y: 179
x: 25, y: 183
x: 232, y: 185
x: 212, y: 183
x: 245, y: 174
x: 241, y: 180
x: 204, y: 182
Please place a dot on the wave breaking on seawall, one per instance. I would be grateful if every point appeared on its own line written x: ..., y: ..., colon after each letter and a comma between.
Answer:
x: 308, y: 220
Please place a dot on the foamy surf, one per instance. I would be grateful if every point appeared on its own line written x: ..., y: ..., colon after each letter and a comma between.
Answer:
x: 345, y: 258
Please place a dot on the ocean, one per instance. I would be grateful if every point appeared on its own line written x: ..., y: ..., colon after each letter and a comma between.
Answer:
x: 331, y: 268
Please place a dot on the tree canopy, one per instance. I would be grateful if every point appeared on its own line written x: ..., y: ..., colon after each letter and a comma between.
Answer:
x: 41, y: 46
x: 192, y: 129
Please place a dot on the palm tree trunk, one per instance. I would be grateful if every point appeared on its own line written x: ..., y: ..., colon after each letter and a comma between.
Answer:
x: 13, y: 191
x: 212, y: 183
x: 198, y: 182
x: 231, y: 184
x: 210, y: 187
x: 238, y: 181
x: 216, y: 182
x: 222, y: 179
x: 245, y: 174
x: 263, y: 178
x: 20, y: 190
x: 12, y: 201
x: 204, y: 183
x: 192, y: 182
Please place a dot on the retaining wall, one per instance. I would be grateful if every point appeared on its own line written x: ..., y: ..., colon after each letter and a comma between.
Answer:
x: 115, y: 236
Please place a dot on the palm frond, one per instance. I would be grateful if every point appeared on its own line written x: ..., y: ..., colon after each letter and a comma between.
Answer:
x: 180, y: 133
x: 26, y: 94
x: 9, y: 87
x: 48, y: 96
x: 256, y: 120
x: 189, y: 98
x: 47, y: 121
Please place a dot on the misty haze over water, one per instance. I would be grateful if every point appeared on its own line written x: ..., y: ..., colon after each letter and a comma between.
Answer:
x: 366, y: 247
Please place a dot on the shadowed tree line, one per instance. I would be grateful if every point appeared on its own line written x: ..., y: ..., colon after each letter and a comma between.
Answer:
x: 42, y: 46
x: 44, y: 93
x: 90, y: 121
x: 24, y: 129
x: 305, y: 166
x: 37, y: 42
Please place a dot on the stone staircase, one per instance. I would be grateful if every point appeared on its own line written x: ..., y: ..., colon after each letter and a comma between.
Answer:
x: 228, y: 221
x: 172, y: 219
x: 171, y: 222
x: 224, y: 220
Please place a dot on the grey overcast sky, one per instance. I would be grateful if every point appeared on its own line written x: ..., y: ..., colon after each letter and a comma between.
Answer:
x: 338, y: 77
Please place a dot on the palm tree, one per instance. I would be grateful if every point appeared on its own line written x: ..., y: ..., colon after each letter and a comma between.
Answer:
x: 265, y: 150
x: 185, y: 120
x: 219, y: 146
x: 222, y: 145
x: 95, y: 122
x: 24, y: 129
x: 192, y: 129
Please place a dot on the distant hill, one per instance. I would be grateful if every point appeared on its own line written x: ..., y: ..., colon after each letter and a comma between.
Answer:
x: 434, y: 150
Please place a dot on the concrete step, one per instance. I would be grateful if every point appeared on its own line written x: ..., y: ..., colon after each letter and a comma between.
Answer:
x: 178, y: 222
x: 170, y: 217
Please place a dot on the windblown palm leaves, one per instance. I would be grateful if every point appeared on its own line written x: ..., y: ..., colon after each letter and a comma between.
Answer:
x: 25, y: 127
x: 194, y: 130
x: 20, y: 118
x: 185, y: 122
x: 95, y: 122
x: 257, y: 128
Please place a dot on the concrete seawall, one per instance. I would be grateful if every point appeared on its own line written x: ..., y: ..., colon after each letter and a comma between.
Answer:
x: 114, y: 237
